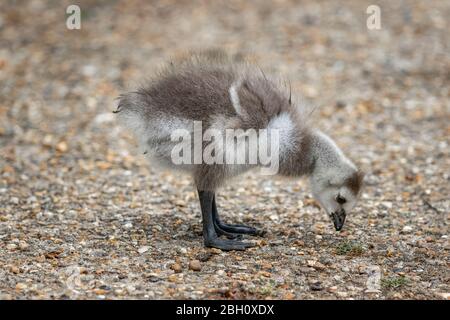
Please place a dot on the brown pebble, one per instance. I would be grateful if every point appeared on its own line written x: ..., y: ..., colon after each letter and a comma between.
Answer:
x: 14, y: 269
x: 215, y: 251
x: 21, y: 286
x: 23, y: 245
x: 176, y: 267
x: 62, y: 146
x: 195, y: 265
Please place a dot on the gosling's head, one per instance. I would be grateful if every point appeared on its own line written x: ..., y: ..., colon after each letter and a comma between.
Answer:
x: 337, y: 190
x: 335, y: 181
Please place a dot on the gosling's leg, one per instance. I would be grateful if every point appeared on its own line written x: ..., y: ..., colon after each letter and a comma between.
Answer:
x: 210, y: 236
x: 232, y: 228
x: 218, y: 229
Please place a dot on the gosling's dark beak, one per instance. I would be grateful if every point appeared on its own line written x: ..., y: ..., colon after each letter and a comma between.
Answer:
x: 338, y: 218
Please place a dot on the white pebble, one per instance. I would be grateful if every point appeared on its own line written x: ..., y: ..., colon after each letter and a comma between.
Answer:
x: 89, y: 70
x: 273, y: 217
x: 11, y: 246
x: 128, y: 225
x: 407, y: 229
x: 143, y: 249
x: 221, y: 272
x: 387, y: 204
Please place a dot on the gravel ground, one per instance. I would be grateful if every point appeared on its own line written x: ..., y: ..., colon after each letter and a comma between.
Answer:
x: 83, y: 216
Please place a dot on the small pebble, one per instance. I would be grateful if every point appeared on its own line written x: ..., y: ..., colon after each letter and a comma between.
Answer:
x: 62, y: 146
x: 143, y: 249
x: 387, y: 204
x: 128, y: 225
x: 407, y: 229
x: 14, y: 269
x: 23, y: 245
x: 119, y: 292
x: 89, y: 70
x: 221, y: 273
x: 11, y: 246
x: 215, y: 251
x: 176, y: 267
x: 21, y: 286
x: 195, y: 265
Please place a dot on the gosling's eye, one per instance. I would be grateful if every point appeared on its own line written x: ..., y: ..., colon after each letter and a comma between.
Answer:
x: 340, y: 199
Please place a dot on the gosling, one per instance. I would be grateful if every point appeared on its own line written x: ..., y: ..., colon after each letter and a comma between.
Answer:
x: 212, y: 92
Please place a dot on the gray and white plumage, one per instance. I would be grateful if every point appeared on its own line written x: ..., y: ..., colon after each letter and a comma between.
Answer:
x: 226, y: 94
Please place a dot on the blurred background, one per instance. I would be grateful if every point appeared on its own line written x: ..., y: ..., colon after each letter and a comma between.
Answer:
x: 75, y: 194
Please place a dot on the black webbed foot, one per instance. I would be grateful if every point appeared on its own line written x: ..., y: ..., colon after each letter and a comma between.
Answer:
x: 240, y: 229
x: 227, y: 244
x: 230, y: 229
x: 229, y: 235
x: 213, y: 227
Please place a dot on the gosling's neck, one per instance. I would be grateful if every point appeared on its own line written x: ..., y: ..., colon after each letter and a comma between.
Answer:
x: 327, y: 155
x: 315, y: 152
